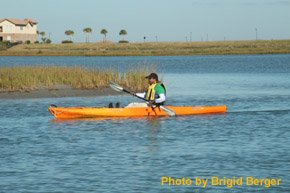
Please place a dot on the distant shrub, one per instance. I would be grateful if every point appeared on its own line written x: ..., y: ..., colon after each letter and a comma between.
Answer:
x: 6, y: 43
x: 67, y: 42
x: 123, y: 41
x: 48, y: 41
x: 27, y: 42
x: 36, y: 42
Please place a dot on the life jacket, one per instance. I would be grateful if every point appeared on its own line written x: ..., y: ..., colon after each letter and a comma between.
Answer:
x: 150, y: 94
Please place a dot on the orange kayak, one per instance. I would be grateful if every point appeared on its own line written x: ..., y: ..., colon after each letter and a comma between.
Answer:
x: 87, y: 112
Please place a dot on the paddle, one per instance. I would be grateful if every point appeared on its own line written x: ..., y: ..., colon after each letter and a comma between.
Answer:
x: 118, y: 88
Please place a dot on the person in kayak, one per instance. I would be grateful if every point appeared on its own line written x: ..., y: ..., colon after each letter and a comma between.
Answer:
x: 156, y: 92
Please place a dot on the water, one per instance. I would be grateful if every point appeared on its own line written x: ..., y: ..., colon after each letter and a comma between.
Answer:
x: 39, y: 154
x: 167, y: 64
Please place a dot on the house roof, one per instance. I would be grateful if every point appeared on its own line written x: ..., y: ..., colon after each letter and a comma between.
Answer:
x: 19, y: 21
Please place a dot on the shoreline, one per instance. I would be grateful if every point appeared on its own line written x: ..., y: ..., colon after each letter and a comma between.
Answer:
x: 56, y: 93
x: 245, y: 47
x: 205, y: 54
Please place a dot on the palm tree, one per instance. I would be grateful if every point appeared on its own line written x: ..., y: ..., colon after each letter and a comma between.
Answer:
x: 41, y: 33
x: 104, y: 32
x: 42, y: 36
x: 123, y: 33
x: 88, y: 31
x: 38, y: 33
x: 69, y: 33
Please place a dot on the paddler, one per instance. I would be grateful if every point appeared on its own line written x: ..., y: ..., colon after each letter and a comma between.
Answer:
x: 156, y: 92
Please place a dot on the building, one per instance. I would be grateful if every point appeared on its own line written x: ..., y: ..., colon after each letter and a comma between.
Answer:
x: 18, y: 30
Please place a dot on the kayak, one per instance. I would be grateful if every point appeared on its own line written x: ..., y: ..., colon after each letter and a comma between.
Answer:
x: 95, y: 112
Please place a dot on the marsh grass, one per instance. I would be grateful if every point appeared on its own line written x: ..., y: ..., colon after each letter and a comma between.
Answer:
x: 152, y: 48
x: 27, y: 78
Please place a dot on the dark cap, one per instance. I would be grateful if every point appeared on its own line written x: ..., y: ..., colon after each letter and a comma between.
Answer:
x: 152, y: 75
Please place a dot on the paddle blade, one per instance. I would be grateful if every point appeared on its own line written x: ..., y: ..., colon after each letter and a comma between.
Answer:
x: 168, y: 111
x: 116, y: 87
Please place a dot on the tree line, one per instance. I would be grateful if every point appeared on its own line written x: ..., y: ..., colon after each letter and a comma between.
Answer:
x: 88, y: 31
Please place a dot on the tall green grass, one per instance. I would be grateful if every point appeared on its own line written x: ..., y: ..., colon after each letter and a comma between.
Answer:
x: 35, y: 77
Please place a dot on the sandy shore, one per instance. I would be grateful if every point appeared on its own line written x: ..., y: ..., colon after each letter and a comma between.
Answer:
x: 56, y: 93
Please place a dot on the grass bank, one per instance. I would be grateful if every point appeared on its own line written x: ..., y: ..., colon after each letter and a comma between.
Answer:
x: 151, y: 49
x: 43, y: 77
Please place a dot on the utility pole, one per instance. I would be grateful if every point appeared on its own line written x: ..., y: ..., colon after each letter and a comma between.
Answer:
x: 190, y: 36
x: 186, y: 39
x: 207, y: 37
x: 256, y: 33
x: 156, y: 38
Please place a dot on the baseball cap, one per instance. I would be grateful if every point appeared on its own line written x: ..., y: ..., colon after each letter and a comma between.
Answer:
x: 152, y: 75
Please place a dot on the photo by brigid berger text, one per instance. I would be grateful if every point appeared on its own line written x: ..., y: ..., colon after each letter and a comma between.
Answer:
x: 221, y: 181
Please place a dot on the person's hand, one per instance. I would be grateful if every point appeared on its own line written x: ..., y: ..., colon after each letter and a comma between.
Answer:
x: 151, y: 103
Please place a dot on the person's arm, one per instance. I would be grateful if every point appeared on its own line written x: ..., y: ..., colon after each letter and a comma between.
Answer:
x: 161, y: 93
x: 161, y: 98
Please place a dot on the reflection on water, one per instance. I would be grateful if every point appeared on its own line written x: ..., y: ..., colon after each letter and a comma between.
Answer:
x: 154, y: 126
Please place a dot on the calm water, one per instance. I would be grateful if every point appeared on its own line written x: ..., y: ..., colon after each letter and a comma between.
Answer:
x: 168, y: 64
x: 39, y: 154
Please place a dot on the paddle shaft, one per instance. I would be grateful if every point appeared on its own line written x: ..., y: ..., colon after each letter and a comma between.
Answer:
x: 170, y: 112
x: 134, y: 94
x: 119, y: 88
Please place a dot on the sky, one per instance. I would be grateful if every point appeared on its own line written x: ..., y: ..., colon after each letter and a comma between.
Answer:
x: 157, y: 20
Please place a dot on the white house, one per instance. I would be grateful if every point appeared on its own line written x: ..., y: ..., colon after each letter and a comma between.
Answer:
x: 18, y: 30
